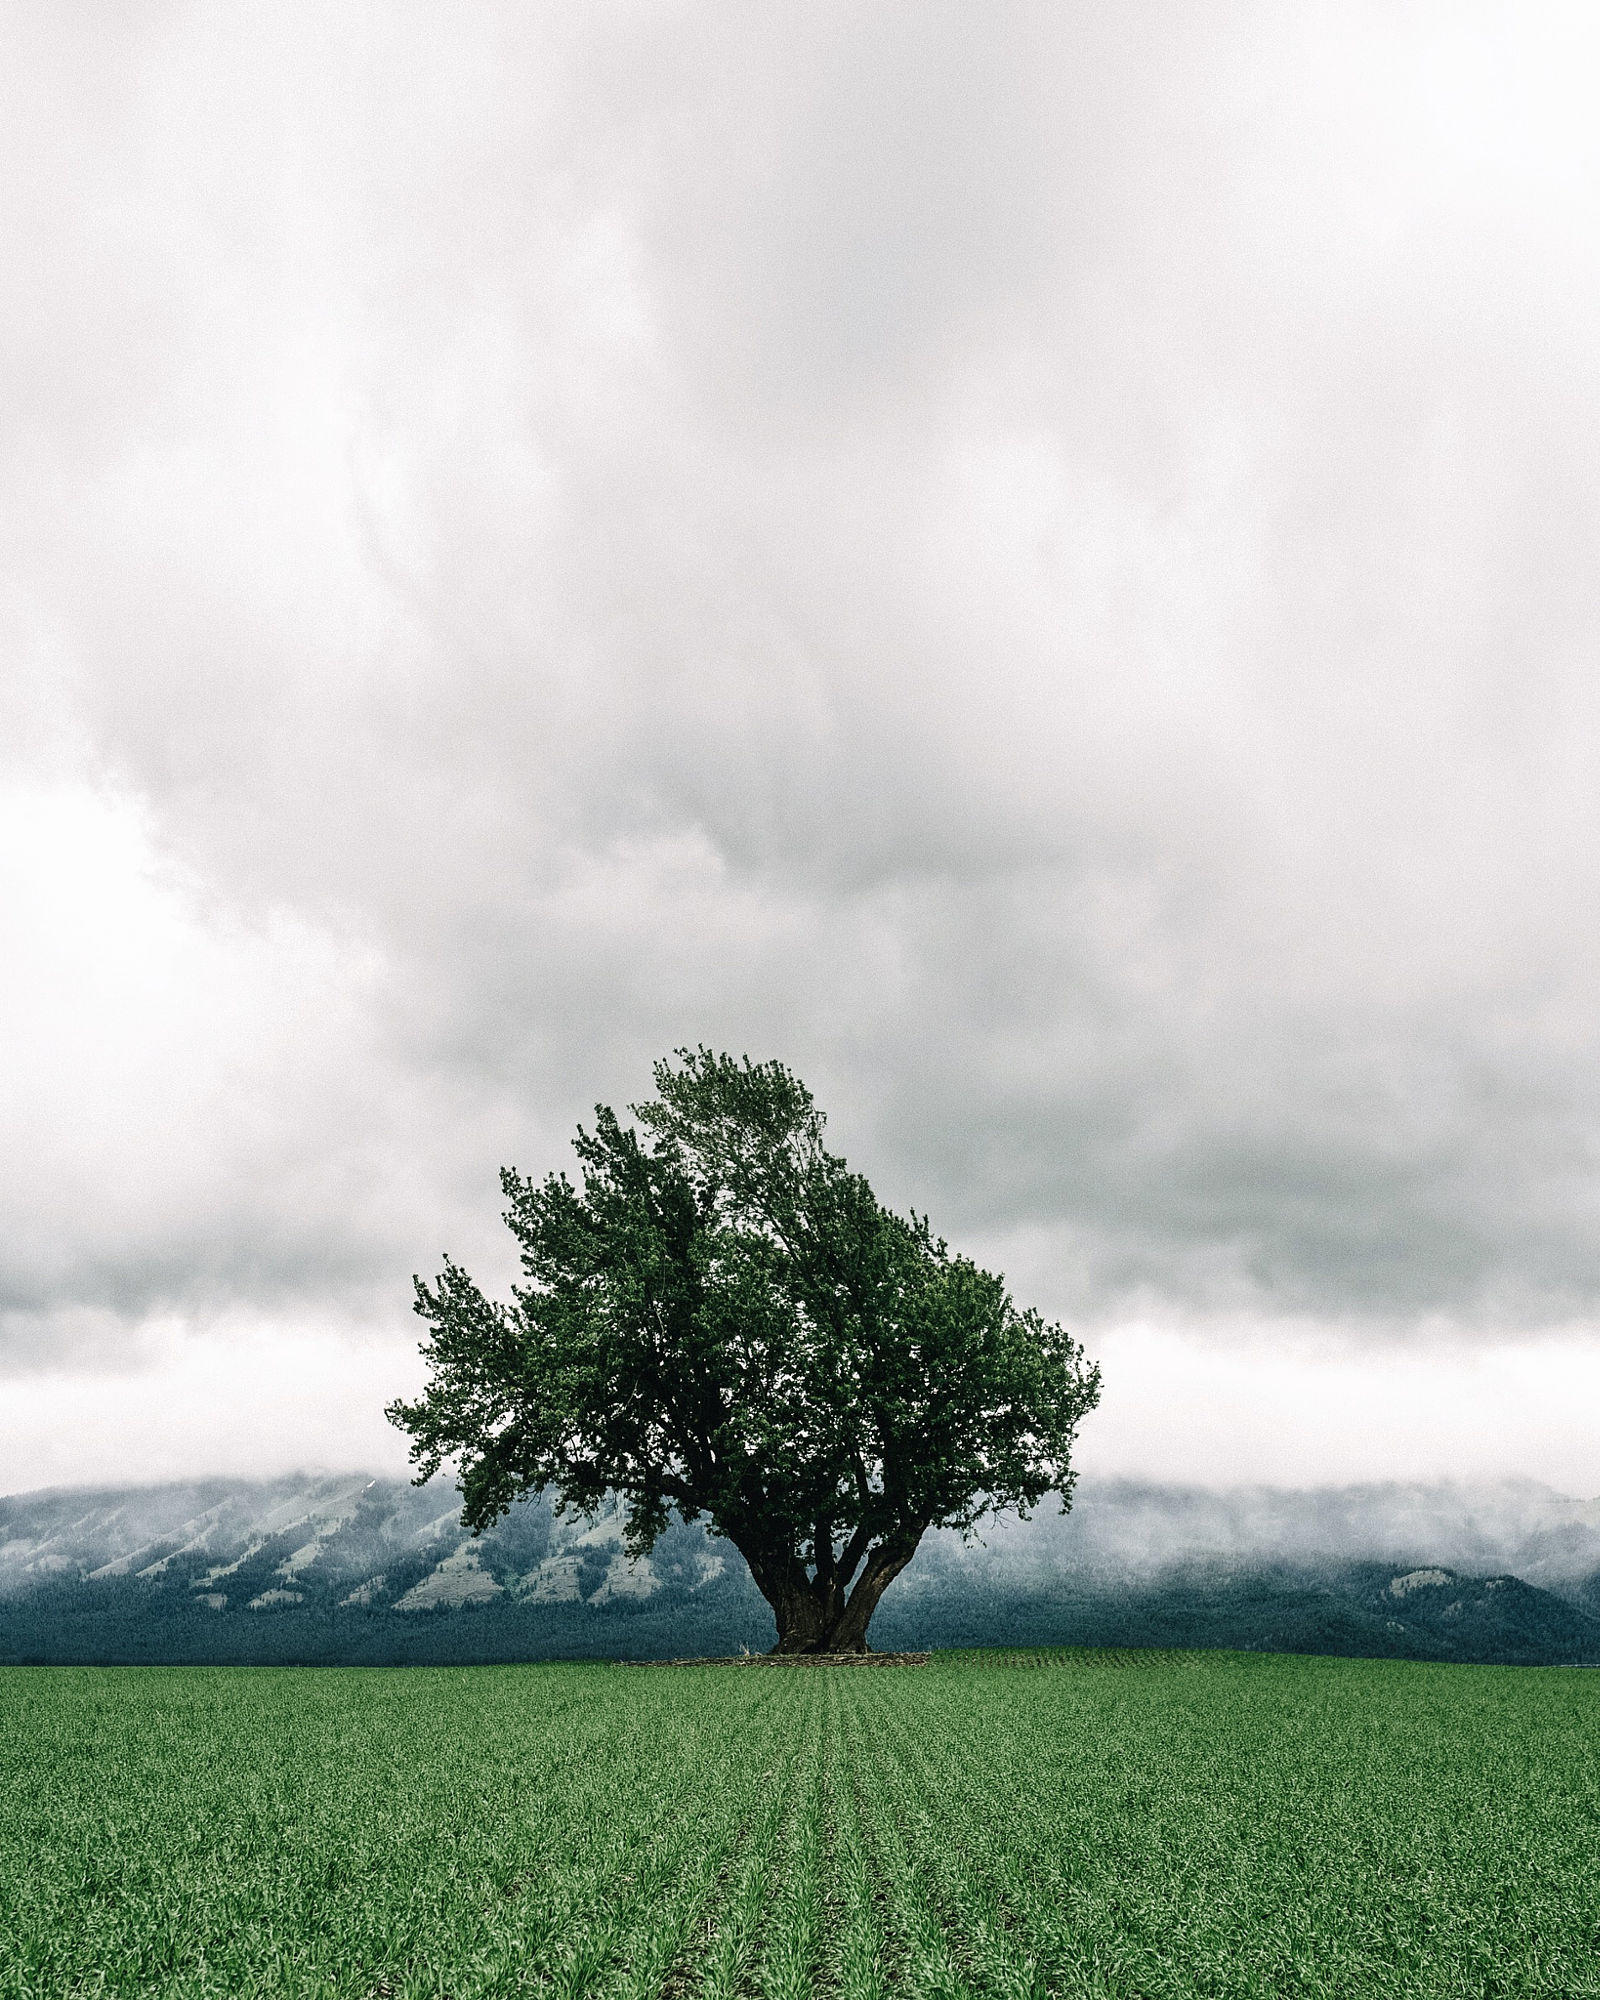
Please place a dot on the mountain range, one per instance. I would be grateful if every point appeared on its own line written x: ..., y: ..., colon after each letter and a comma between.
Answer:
x: 354, y: 1569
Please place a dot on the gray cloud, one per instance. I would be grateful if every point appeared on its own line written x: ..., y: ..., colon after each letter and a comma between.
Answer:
x: 1039, y: 564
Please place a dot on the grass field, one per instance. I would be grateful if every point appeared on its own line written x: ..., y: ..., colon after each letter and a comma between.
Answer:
x: 1111, y: 1824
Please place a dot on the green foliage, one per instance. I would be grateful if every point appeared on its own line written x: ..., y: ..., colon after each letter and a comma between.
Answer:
x: 724, y: 1321
x: 1108, y: 1824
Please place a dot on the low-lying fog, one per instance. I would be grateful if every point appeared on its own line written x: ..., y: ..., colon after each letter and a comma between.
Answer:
x: 1117, y: 1528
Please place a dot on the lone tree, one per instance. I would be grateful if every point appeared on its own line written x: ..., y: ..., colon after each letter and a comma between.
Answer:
x: 724, y: 1321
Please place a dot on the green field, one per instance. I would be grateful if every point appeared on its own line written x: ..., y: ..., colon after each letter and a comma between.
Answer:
x: 1070, y: 1823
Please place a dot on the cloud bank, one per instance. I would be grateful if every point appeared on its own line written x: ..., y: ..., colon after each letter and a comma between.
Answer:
x: 1038, y: 564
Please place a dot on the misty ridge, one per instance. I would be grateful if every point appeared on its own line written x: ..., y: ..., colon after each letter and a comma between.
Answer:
x: 357, y: 1569
x: 1117, y: 1528
x: 1126, y: 1528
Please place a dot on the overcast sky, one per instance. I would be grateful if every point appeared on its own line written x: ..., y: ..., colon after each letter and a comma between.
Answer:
x: 1041, y: 563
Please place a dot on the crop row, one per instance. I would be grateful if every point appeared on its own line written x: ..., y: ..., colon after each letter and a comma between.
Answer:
x: 1209, y: 1825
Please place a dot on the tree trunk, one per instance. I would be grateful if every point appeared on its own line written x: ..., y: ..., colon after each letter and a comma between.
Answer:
x: 817, y: 1617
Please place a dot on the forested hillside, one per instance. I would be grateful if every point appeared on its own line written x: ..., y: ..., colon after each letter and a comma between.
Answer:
x: 368, y: 1570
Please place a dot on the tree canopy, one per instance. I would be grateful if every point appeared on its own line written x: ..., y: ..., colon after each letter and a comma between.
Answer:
x: 721, y: 1320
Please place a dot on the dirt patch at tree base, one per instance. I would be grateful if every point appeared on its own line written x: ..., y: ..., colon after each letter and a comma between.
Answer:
x: 793, y: 1660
